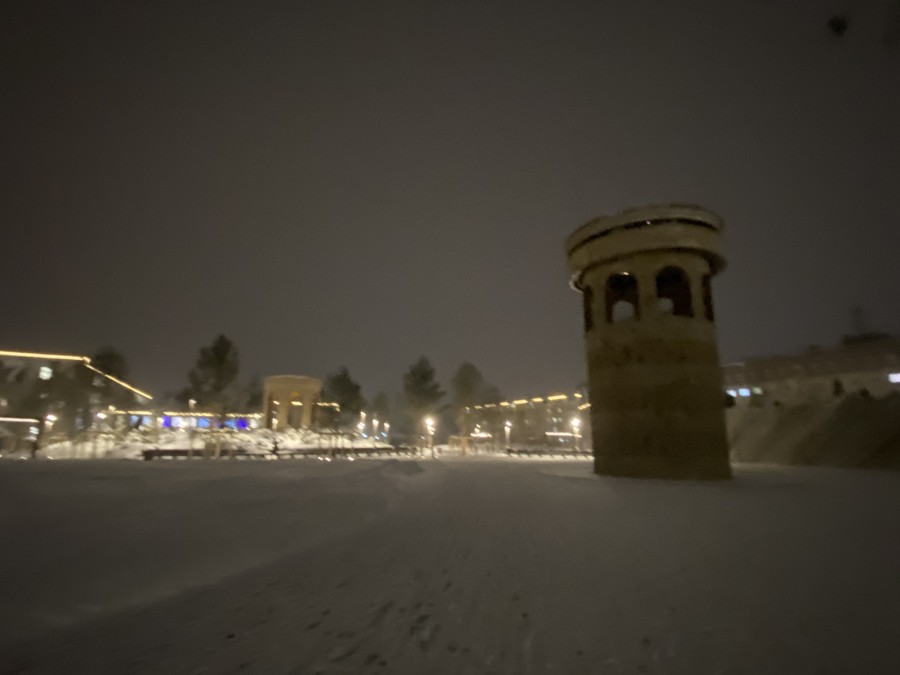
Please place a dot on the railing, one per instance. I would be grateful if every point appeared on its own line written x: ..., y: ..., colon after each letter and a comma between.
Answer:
x: 545, y: 451
x: 281, y: 453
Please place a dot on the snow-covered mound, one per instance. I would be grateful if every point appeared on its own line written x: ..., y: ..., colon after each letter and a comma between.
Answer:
x: 853, y: 432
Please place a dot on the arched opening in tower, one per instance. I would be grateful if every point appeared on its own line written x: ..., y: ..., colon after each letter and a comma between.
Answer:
x: 673, y: 292
x: 622, y: 298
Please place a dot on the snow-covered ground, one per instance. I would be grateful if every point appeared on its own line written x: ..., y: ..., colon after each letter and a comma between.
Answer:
x: 448, y: 566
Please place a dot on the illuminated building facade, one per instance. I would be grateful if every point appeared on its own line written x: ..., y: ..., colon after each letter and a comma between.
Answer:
x: 43, y: 394
x: 541, y: 421
x: 289, y: 402
x: 864, y: 363
x: 47, y: 396
x: 188, y: 420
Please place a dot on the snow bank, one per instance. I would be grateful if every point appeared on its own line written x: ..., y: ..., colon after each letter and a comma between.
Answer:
x: 853, y: 431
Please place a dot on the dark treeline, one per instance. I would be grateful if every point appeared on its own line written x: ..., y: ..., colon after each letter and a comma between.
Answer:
x: 420, y: 397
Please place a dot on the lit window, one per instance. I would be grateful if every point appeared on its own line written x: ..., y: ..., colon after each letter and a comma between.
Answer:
x: 743, y: 391
x: 757, y: 390
x: 45, y: 373
x: 894, y: 377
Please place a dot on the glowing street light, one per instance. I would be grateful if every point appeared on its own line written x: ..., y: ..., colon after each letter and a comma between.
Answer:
x: 429, y: 428
x: 48, y: 426
x: 576, y: 425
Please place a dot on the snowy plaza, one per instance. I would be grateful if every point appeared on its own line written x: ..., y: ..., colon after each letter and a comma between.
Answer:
x: 447, y: 566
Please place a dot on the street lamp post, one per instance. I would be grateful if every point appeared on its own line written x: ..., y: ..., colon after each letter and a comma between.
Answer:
x: 95, y: 432
x: 429, y: 428
x: 43, y: 433
x: 576, y: 425
x: 507, y: 428
x: 374, y: 430
x: 191, y: 425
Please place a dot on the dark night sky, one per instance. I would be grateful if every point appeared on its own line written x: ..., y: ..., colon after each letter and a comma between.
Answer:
x: 358, y: 183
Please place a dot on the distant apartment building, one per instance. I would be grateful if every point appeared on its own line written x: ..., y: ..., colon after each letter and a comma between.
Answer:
x: 43, y: 395
x: 867, y: 364
x: 551, y: 420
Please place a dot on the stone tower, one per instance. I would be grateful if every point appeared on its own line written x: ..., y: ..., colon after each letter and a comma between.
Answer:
x: 657, y: 404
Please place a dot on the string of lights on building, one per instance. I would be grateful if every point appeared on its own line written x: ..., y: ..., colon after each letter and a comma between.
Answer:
x: 552, y: 420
